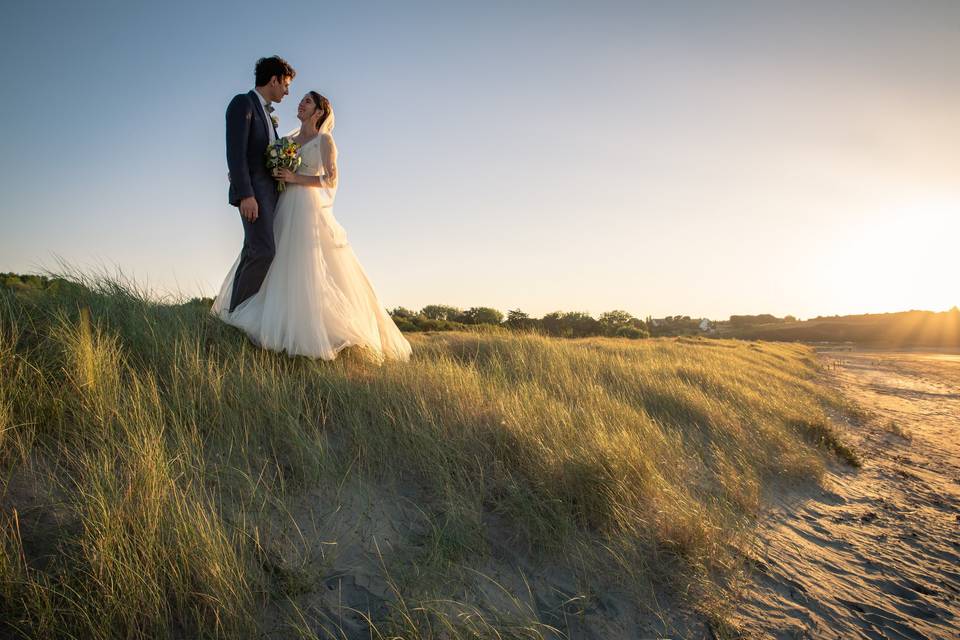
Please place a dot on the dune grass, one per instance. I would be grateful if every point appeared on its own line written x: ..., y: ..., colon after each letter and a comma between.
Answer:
x: 146, y: 451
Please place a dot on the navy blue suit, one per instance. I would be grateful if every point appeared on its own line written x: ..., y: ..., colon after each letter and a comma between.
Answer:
x: 248, y: 135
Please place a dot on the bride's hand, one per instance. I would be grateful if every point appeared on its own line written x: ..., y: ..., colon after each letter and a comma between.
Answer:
x: 284, y: 175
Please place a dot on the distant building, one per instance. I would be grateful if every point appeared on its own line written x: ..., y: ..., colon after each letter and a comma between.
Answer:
x: 703, y: 324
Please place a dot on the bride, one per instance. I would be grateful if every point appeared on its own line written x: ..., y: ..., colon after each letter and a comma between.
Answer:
x: 316, y: 299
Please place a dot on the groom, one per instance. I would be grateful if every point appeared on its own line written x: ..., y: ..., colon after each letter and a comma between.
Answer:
x: 250, y: 128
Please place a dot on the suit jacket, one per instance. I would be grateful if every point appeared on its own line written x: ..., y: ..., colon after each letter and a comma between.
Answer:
x: 247, y: 139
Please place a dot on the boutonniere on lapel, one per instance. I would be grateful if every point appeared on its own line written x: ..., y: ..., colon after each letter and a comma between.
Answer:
x: 275, y: 120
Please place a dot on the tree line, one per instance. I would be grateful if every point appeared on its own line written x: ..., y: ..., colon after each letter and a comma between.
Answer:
x: 566, y: 324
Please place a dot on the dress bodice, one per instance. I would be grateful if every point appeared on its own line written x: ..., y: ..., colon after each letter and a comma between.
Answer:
x: 311, y: 158
x: 311, y: 164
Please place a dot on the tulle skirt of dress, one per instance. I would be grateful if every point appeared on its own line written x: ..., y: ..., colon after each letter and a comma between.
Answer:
x: 316, y: 298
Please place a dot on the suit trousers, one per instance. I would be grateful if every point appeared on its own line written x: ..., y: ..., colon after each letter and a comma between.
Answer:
x: 259, y: 245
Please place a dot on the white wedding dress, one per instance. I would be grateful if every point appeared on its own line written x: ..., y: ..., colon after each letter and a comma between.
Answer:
x: 316, y: 299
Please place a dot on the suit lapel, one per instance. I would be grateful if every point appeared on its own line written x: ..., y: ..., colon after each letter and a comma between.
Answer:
x: 258, y: 110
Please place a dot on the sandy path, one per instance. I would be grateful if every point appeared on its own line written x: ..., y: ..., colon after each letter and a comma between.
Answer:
x: 876, y: 554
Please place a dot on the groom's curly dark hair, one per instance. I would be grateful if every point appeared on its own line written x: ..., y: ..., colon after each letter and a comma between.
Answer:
x: 273, y: 66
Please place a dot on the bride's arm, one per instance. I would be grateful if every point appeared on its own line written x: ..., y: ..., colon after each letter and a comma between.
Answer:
x: 329, y: 178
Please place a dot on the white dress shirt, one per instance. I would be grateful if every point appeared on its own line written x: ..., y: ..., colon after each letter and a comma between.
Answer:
x: 263, y: 105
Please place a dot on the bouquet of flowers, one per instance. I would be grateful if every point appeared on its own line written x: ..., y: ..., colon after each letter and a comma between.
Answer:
x: 282, y: 154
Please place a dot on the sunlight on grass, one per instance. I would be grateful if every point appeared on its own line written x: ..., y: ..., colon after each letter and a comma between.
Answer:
x: 153, y: 462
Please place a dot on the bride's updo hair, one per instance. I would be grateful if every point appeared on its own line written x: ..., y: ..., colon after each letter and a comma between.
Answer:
x: 323, y: 105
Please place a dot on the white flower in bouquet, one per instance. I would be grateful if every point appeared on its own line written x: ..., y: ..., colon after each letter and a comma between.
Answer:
x: 282, y: 154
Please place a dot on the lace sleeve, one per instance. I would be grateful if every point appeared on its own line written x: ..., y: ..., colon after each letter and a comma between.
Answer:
x: 328, y: 169
x: 329, y: 152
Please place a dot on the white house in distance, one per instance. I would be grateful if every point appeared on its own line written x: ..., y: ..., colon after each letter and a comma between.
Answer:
x: 703, y: 324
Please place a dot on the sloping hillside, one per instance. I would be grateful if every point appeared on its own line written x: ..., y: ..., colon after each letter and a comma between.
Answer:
x: 163, y: 477
x: 902, y: 329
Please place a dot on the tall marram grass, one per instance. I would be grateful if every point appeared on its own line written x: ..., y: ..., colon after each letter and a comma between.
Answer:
x: 143, y: 446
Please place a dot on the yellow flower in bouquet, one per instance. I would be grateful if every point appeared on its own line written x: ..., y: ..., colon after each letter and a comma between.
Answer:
x: 282, y: 154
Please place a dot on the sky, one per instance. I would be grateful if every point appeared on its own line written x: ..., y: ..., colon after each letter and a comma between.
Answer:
x: 665, y: 158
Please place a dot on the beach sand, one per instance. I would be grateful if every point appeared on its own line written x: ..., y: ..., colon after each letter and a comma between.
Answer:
x: 875, y: 552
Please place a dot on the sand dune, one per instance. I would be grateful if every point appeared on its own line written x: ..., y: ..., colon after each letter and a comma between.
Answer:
x: 876, y: 552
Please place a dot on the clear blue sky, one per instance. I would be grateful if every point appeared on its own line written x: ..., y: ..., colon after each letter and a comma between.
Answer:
x: 695, y: 158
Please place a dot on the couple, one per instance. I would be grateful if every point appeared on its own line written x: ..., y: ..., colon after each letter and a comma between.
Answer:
x: 297, y: 285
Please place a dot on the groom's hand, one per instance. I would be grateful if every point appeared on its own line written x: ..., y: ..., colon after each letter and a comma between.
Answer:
x: 249, y: 209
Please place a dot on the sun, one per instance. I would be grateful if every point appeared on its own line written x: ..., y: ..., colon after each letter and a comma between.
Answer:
x: 902, y: 258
